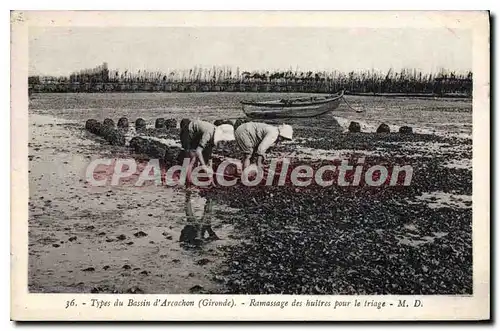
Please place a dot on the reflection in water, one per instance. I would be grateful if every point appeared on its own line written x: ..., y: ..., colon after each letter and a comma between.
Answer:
x: 194, y: 232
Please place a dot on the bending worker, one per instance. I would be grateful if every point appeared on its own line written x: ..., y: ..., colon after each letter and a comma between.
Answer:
x: 254, y: 139
x: 198, y: 138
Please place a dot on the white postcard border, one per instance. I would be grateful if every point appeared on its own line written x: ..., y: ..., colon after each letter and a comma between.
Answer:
x: 26, y: 306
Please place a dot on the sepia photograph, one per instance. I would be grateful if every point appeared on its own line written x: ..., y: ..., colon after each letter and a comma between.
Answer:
x: 301, y: 161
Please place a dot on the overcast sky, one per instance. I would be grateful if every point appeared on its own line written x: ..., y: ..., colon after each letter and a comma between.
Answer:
x: 60, y: 51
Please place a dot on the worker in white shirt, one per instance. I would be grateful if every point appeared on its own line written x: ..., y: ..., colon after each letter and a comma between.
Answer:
x: 254, y: 139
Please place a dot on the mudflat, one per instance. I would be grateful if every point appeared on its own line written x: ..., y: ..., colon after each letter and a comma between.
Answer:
x: 412, y: 239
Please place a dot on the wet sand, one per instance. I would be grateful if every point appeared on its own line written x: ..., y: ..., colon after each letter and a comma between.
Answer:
x: 83, y: 239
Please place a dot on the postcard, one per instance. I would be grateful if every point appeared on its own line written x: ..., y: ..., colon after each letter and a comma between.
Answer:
x: 250, y: 165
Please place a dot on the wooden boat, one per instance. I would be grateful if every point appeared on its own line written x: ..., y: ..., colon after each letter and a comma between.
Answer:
x: 297, y: 107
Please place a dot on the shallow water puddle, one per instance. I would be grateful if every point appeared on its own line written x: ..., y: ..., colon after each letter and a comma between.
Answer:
x: 410, y: 235
x: 330, y: 155
x: 415, y: 241
x: 431, y: 149
x: 445, y: 200
x: 459, y: 164
x: 166, y: 141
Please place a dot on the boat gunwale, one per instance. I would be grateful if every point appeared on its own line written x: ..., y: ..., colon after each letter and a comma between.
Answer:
x: 276, y: 116
x: 277, y: 104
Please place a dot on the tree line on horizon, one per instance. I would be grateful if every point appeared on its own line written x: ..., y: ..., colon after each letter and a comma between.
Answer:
x: 223, y: 78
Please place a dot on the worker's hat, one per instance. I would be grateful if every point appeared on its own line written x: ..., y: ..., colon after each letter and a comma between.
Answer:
x: 286, y: 131
x: 223, y: 132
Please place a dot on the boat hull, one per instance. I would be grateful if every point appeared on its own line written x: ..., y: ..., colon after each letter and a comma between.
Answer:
x: 268, y: 111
